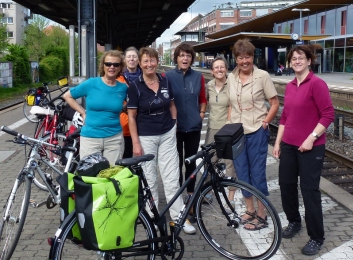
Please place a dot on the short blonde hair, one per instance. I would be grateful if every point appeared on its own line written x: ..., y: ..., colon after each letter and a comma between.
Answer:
x: 113, y: 53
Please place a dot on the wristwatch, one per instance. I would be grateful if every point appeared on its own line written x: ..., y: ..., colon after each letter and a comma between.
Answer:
x: 315, y: 135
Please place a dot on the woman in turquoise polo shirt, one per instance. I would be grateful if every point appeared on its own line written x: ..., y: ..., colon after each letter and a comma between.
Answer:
x: 104, y: 97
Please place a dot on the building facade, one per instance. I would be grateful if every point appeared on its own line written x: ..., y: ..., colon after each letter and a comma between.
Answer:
x: 336, y: 52
x: 15, y: 17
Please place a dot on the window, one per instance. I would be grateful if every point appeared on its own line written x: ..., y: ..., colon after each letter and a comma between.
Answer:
x: 6, y: 20
x: 245, y: 13
x: 9, y: 34
x: 226, y: 25
x: 5, y: 5
x: 228, y: 13
x: 306, y: 26
x: 343, y: 22
x: 323, y: 24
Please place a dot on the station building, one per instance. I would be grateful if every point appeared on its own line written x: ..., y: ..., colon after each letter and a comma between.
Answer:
x: 326, y: 25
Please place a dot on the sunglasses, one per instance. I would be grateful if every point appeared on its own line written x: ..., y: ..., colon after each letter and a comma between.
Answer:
x: 109, y: 64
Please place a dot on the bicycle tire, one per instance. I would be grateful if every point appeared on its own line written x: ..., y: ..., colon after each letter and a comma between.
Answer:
x: 237, y: 242
x: 12, y: 224
x: 65, y: 247
x: 56, y: 161
x: 31, y: 118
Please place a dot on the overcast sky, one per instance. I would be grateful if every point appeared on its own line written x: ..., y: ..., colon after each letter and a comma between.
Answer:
x: 198, y: 7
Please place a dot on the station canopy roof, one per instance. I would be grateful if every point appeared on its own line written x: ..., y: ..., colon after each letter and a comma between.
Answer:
x: 122, y: 23
x: 262, y: 27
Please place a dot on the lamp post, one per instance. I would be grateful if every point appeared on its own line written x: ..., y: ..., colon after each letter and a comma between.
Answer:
x: 300, y: 19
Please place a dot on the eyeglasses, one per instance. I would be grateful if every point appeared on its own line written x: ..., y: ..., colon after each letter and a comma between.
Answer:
x: 109, y: 64
x: 185, y: 56
x: 294, y: 59
x: 156, y: 107
x: 131, y: 57
x: 145, y: 62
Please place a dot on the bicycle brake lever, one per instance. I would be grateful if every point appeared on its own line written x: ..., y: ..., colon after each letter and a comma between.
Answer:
x: 19, y: 140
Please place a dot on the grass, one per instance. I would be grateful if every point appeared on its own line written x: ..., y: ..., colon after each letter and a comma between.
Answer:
x: 8, y: 93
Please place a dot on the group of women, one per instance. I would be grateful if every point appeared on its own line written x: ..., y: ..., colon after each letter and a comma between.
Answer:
x: 163, y: 116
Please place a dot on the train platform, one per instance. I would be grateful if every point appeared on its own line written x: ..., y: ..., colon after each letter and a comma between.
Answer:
x: 335, y: 80
x: 42, y: 223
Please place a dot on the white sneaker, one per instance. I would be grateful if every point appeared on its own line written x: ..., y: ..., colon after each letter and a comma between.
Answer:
x: 189, y: 228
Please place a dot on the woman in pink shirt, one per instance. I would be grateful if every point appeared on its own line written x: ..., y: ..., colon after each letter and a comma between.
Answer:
x: 300, y: 144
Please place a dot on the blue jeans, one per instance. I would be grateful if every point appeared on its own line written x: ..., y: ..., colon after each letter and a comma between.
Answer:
x: 250, y: 165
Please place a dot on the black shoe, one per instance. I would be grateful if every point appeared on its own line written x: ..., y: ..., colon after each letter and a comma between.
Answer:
x: 291, y: 229
x: 311, y: 248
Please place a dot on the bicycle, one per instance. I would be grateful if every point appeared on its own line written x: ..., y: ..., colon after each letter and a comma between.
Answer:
x: 18, y: 201
x: 221, y: 228
x: 40, y: 96
x: 51, y: 128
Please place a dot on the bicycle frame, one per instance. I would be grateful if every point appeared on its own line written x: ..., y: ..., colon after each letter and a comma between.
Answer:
x: 159, y: 218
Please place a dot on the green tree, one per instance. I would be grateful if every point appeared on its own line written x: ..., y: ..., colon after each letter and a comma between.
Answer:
x: 20, y: 64
x: 166, y: 57
x: 3, y: 38
x: 35, y: 38
x: 286, y: 29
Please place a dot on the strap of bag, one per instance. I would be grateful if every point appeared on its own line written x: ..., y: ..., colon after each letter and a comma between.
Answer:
x: 116, y: 185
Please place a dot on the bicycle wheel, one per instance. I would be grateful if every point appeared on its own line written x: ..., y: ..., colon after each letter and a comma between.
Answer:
x: 13, y: 218
x: 57, y: 161
x: 66, y: 247
x: 31, y: 118
x: 231, y: 239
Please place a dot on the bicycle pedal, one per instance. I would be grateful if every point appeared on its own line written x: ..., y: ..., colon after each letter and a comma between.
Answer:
x: 50, y: 203
x: 34, y: 204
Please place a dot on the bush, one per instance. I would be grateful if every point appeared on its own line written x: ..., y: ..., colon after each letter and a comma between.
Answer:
x: 50, y: 68
x: 20, y: 64
x: 63, y: 54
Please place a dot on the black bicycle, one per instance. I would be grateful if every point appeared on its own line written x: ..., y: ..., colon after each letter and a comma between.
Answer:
x: 219, y: 221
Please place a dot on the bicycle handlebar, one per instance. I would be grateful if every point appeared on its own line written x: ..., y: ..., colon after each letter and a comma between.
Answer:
x: 9, y: 131
x: 206, y: 148
x: 37, y: 141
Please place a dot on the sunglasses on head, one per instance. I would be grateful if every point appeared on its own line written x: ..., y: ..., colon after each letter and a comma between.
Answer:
x: 109, y: 64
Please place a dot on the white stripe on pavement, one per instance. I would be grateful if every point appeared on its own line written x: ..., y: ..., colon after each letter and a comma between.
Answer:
x: 16, y: 125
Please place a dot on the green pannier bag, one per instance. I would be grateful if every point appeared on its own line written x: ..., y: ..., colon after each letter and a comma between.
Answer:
x: 67, y: 204
x: 107, y: 209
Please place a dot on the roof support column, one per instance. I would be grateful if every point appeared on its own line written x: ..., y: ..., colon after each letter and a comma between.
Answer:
x: 87, y: 20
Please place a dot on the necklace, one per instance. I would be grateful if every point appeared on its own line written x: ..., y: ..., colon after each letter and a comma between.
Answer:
x: 151, y: 82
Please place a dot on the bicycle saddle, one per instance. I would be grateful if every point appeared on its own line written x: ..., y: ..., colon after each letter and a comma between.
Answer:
x: 134, y: 160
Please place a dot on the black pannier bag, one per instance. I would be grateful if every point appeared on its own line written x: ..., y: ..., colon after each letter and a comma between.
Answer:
x: 230, y: 141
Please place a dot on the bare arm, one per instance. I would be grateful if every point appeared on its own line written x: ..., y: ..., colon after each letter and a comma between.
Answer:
x: 74, y: 104
x: 202, y: 110
x: 309, y: 141
x: 276, y: 148
x: 137, y: 149
x: 173, y: 110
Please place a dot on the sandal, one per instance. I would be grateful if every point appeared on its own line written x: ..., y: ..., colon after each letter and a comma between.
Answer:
x: 247, y: 220
x: 260, y: 224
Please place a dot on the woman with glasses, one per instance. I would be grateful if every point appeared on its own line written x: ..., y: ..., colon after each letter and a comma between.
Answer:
x: 104, y: 97
x: 218, y: 105
x: 300, y: 144
x: 190, y: 101
x: 249, y: 87
x: 152, y: 123
x: 131, y: 73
